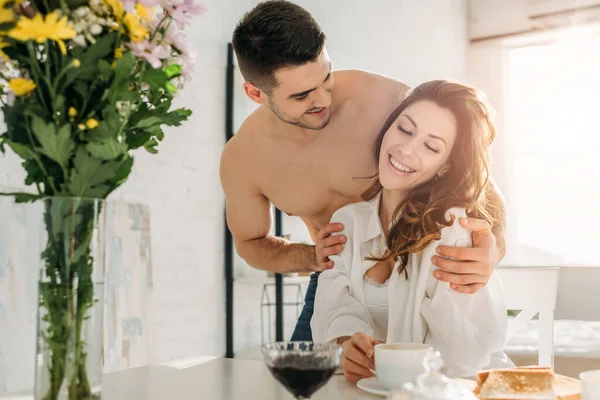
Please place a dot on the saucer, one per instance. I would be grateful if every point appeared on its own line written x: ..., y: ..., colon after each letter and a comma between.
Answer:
x: 372, y: 386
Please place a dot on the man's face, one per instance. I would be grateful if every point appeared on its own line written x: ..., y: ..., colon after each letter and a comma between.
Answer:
x: 303, y: 94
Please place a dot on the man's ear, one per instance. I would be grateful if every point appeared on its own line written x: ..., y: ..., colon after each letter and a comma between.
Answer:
x: 254, y: 93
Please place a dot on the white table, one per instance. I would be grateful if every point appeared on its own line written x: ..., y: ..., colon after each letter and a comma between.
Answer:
x: 219, y: 379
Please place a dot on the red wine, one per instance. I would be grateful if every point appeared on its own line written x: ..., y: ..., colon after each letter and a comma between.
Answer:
x: 301, y: 382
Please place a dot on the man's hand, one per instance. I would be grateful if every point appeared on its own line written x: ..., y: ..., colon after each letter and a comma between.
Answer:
x: 358, y: 358
x: 328, y: 245
x: 471, y: 267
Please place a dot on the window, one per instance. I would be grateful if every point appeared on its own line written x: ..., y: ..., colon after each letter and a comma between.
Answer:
x: 554, y: 141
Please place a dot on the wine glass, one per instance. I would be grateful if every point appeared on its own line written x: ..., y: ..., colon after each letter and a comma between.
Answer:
x: 302, y: 367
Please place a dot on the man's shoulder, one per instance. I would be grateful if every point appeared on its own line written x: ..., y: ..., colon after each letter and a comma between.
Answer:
x: 367, y: 90
x: 359, y: 80
x: 244, y: 141
x: 239, y: 156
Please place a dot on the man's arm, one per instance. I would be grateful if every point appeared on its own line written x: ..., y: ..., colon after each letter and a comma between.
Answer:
x: 497, y: 209
x: 470, y: 268
x: 249, y: 220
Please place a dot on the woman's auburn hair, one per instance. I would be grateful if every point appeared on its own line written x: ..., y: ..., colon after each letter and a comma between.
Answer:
x: 419, y: 219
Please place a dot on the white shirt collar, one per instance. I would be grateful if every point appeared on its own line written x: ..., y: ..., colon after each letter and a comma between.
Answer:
x: 374, y: 228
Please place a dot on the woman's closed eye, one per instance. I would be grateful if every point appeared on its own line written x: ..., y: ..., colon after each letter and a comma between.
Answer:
x: 406, y: 132
x: 436, y: 151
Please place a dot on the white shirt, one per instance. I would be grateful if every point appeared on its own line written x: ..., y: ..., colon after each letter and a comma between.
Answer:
x: 466, y: 329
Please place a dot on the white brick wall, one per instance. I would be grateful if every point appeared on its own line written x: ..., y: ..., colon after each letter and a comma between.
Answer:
x: 408, y: 40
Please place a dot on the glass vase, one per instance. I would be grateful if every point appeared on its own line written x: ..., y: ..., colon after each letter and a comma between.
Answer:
x: 69, y: 359
x: 75, y: 295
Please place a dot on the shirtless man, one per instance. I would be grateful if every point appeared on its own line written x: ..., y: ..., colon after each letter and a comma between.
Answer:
x: 304, y: 146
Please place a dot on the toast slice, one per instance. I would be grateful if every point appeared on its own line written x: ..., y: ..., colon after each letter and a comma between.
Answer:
x: 526, y: 383
x: 518, y: 384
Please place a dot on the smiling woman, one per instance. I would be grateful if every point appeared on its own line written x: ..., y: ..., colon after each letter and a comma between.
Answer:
x: 432, y: 155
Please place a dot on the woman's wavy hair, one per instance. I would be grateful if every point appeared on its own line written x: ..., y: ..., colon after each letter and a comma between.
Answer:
x: 418, y: 220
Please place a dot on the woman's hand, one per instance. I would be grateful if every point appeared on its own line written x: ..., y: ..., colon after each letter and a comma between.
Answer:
x: 358, y: 358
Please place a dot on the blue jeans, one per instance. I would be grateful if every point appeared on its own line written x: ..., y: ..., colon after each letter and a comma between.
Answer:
x: 303, y: 333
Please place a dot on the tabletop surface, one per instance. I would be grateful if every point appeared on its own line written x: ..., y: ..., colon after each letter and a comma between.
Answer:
x: 220, y: 379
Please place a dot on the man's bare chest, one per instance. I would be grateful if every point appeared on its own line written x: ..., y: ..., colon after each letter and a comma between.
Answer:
x: 319, y: 179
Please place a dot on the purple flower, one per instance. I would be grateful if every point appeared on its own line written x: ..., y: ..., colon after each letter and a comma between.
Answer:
x: 182, y: 11
x: 187, y: 54
x: 150, y: 52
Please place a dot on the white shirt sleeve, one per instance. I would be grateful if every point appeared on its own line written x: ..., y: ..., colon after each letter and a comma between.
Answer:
x: 337, y: 312
x: 465, y: 328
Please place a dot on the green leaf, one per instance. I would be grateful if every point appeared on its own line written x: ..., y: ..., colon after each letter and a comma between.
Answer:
x: 85, y: 167
x: 170, y: 87
x: 56, y: 145
x: 6, y: 26
x: 105, y: 70
x: 103, y: 47
x: 20, y: 149
x: 176, y: 117
x: 120, y: 88
x: 123, y: 171
x: 150, y: 146
x: 82, y: 89
x: 155, y: 78
x: 59, y: 103
x: 109, y: 126
x: 90, y: 177
x: 173, y: 70
x: 98, y: 192
x: 150, y: 121
x: 124, y: 66
x: 108, y: 149
x: 22, y: 197
x: 157, y: 132
x: 88, y: 70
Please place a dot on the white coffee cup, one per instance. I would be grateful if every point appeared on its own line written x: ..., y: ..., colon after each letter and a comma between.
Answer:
x: 399, y: 363
x: 590, y: 385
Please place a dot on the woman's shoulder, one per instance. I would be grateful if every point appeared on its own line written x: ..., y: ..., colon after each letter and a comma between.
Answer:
x: 360, y: 211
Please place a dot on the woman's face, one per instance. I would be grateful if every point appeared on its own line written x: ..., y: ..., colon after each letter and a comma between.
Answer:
x: 417, y: 146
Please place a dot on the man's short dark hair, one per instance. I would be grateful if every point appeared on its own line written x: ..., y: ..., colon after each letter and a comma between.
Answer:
x: 275, y: 34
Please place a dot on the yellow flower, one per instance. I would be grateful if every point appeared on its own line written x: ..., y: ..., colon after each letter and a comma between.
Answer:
x: 6, y: 14
x: 91, y: 123
x: 72, y: 112
x: 76, y: 63
x: 117, y: 8
x: 81, y: 127
x: 137, y: 32
x: 21, y: 86
x: 118, y: 53
x: 40, y: 29
x: 144, y: 12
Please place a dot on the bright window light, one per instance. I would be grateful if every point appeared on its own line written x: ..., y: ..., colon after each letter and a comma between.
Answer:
x: 554, y: 111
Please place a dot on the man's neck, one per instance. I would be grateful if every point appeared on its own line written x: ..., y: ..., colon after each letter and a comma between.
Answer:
x: 287, y: 130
